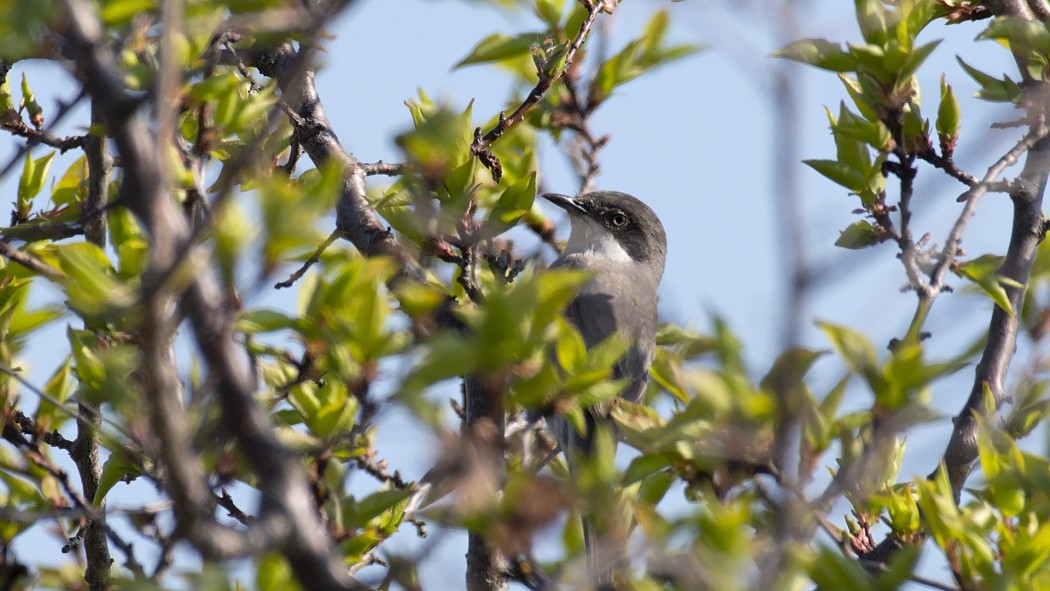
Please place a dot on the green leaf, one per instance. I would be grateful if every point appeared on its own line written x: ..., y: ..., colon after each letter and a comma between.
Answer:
x: 116, y: 468
x: 255, y: 321
x: 914, y: 60
x: 832, y: 570
x: 550, y: 11
x: 870, y: 132
x: 59, y: 387
x: 274, y: 574
x: 512, y: 205
x: 854, y: 349
x: 820, y: 53
x: 984, y: 272
x: 91, y: 283
x: 786, y: 377
x: 116, y: 13
x: 858, y: 235
x: 34, y: 174
x: 1020, y: 35
x: 68, y: 189
x: 993, y: 89
x: 840, y: 173
x: 36, y: 112
x: 499, y: 47
x: 638, y: 57
x: 1022, y: 419
x: 440, y: 141
x: 373, y: 505
x: 644, y: 466
x: 948, y: 112
x: 871, y: 16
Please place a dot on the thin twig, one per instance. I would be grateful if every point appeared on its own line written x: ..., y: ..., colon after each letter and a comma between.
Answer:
x: 383, y: 168
x: 314, y: 258
x: 482, y: 143
x: 64, y: 109
x: 973, y: 196
x: 30, y: 262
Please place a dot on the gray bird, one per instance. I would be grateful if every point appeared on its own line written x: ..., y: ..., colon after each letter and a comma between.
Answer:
x: 620, y: 239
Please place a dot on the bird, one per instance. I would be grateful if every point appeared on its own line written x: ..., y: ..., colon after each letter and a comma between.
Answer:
x: 621, y: 240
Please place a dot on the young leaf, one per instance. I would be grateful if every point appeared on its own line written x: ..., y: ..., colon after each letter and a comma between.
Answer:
x: 115, y: 469
x: 499, y: 47
x: 983, y: 272
x: 550, y: 11
x: 914, y: 60
x: 854, y: 349
x: 820, y: 53
x: 34, y: 174
x: 858, y: 235
x: 948, y: 112
x: 840, y: 173
x: 992, y: 89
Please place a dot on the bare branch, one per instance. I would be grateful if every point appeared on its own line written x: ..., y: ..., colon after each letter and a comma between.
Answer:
x: 30, y: 262
x: 383, y: 168
x: 314, y: 258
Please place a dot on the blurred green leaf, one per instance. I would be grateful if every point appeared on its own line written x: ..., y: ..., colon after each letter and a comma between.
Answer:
x: 550, y: 11
x: 34, y: 175
x: 498, y: 47
x: 854, y: 349
x: 515, y: 201
x: 274, y: 574
x: 992, y: 89
x: 116, y: 13
x: 984, y: 272
x: 859, y: 234
x: 115, y: 469
x: 262, y: 320
x: 1020, y: 35
x: 637, y: 57
x: 871, y: 16
x: 90, y: 282
x: 820, y: 53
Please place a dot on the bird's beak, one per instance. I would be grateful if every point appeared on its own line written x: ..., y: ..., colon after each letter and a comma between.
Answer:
x: 567, y: 203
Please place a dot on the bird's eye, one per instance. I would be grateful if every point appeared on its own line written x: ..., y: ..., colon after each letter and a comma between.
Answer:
x: 619, y: 220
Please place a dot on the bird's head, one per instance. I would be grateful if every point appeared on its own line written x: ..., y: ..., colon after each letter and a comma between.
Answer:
x: 614, y: 226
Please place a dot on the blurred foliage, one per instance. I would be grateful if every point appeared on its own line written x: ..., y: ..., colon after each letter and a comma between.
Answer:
x: 730, y: 469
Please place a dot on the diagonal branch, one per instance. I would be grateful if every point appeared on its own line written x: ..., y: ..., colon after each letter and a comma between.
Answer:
x: 482, y: 143
x: 85, y: 452
x: 354, y: 216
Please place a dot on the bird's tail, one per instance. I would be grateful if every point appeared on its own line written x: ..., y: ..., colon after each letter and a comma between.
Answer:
x: 603, y: 536
x: 603, y: 556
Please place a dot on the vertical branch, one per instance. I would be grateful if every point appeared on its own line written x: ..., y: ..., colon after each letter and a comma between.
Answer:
x: 483, y: 428
x: 785, y: 189
x: 100, y: 164
x: 1028, y: 230
x: 790, y: 523
x: 85, y: 447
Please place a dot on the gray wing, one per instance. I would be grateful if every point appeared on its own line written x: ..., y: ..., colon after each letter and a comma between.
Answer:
x: 604, y: 306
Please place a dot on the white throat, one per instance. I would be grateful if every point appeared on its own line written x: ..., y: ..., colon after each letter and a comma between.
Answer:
x: 590, y: 239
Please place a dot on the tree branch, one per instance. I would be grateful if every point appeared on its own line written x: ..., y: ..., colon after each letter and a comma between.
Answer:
x: 289, y: 521
x: 482, y: 143
x: 354, y: 216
